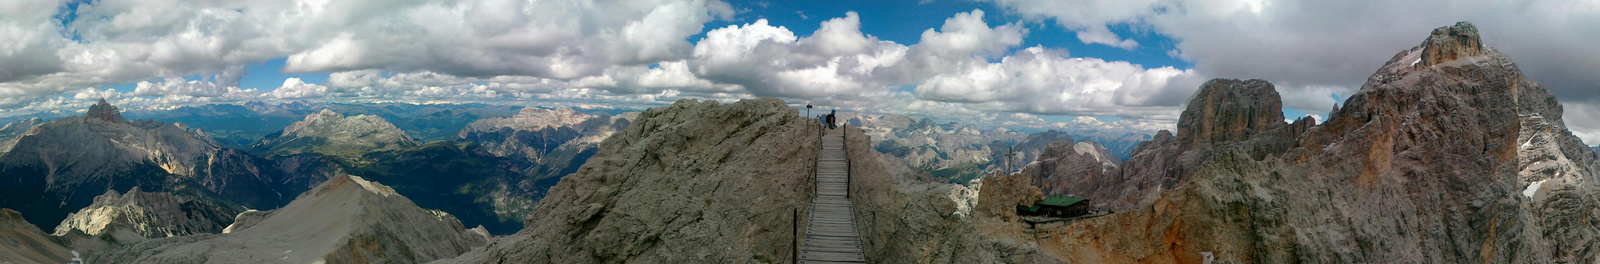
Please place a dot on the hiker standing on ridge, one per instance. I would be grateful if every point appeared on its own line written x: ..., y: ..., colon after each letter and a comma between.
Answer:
x: 831, y: 119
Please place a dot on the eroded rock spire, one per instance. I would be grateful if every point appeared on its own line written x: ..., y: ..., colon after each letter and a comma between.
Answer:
x: 105, y: 112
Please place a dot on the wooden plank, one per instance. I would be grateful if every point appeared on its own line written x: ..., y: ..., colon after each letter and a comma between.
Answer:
x: 831, y: 232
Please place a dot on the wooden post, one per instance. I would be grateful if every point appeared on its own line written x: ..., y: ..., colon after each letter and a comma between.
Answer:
x: 849, y: 182
x: 794, y: 233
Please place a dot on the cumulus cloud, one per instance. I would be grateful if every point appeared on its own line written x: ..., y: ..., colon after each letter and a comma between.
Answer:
x: 639, y: 52
x: 1584, y: 121
x: 1089, y: 18
x: 293, y: 88
x: 673, y: 75
x: 1039, y: 80
x: 120, y: 41
x: 626, y: 53
x: 834, y: 63
x: 1320, y: 44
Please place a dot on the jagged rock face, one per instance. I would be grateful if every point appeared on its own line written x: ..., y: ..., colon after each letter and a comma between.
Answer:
x: 1458, y: 161
x: 1152, y: 169
x: 10, y: 132
x: 959, y: 153
x: 345, y: 220
x: 21, y: 242
x: 1031, y: 148
x: 553, y: 143
x: 58, y: 167
x: 1451, y: 43
x: 1227, y: 110
x: 137, y: 215
x: 999, y: 196
x: 333, y: 134
x: 1082, y: 169
x: 103, y: 111
x: 906, y: 220
x: 693, y: 182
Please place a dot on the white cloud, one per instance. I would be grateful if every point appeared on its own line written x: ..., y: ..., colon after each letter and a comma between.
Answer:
x: 1322, y: 46
x: 293, y: 88
x: 1039, y: 80
x: 1088, y: 18
x: 1311, y: 98
x: 1340, y: 43
x: 120, y: 41
x: 1583, y: 119
x: 833, y: 64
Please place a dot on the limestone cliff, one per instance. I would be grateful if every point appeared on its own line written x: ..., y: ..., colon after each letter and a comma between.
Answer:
x: 137, y: 215
x: 905, y: 220
x: 1230, y: 110
x: 1457, y: 160
x: 1085, y: 169
x: 693, y: 182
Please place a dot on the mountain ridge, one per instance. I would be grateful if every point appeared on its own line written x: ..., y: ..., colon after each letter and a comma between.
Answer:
x: 1423, y: 165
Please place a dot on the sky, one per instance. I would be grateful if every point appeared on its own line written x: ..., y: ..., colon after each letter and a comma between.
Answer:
x: 1109, y: 65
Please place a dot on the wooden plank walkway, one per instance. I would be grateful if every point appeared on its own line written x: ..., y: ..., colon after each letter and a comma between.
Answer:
x: 831, y: 233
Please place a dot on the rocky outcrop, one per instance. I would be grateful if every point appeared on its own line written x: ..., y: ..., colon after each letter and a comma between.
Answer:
x: 1462, y: 161
x: 21, y: 242
x: 693, y: 182
x: 345, y: 220
x: 1084, y: 169
x: 1152, y: 169
x: 332, y: 134
x: 909, y: 221
x: 1450, y: 43
x: 137, y: 215
x: 103, y: 111
x: 1226, y: 110
x: 999, y: 196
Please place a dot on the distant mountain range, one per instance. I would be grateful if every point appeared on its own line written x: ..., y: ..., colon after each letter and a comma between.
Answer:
x: 959, y: 152
x: 59, y: 167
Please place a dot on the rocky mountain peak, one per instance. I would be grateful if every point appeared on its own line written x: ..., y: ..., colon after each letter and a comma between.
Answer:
x: 730, y: 165
x: 137, y: 214
x: 105, y: 112
x: 1230, y: 110
x: 1450, y: 43
x: 330, y: 133
x: 531, y: 119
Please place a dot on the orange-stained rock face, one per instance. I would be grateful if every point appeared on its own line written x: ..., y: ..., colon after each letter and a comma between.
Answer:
x: 1451, y: 43
x: 1446, y: 155
x: 1001, y: 194
x: 1226, y: 110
